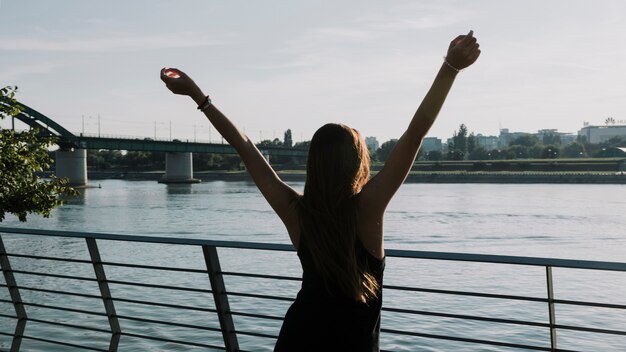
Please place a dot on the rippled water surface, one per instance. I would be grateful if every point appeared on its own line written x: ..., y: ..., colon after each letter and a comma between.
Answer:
x: 560, y: 221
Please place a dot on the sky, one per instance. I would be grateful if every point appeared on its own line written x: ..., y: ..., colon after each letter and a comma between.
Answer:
x: 277, y: 64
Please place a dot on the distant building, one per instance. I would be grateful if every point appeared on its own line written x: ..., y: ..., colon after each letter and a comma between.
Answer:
x: 599, y: 134
x: 372, y: 143
x: 507, y: 137
x: 547, y: 134
x: 430, y: 144
x: 568, y: 138
x: 487, y: 142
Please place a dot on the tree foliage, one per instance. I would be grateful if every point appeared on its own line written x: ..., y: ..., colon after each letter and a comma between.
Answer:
x: 385, y: 149
x: 288, y: 140
x: 22, y: 156
x: 458, y: 149
x: 527, y: 140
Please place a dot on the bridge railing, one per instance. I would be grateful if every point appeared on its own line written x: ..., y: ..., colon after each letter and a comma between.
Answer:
x: 97, y: 296
x: 158, y: 139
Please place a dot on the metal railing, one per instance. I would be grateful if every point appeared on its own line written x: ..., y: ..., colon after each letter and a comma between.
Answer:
x: 220, y: 296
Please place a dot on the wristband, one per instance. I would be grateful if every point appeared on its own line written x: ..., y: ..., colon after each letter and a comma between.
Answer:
x: 445, y: 61
x: 205, y: 105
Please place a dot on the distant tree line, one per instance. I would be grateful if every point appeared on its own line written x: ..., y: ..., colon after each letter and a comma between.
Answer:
x: 464, y: 146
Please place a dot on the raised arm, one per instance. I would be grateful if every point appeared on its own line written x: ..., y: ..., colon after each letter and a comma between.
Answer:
x: 462, y: 52
x: 278, y: 194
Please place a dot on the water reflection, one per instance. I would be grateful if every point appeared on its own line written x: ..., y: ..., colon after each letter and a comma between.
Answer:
x: 184, y: 188
x: 78, y: 199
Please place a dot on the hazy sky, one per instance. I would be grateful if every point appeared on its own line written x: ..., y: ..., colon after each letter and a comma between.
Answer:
x: 273, y: 65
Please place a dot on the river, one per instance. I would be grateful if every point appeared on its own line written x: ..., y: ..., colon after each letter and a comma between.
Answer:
x: 542, y: 220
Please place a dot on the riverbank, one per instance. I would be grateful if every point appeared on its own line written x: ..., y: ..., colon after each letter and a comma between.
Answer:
x: 574, y: 177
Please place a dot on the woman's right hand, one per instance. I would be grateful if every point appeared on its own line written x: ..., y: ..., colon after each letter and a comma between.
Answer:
x: 463, y: 51
x: 178, y: 82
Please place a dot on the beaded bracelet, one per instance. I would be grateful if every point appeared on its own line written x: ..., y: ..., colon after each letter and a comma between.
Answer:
x: 445, y: 61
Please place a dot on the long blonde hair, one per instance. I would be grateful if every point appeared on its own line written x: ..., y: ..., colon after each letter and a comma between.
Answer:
x: 338, y: 167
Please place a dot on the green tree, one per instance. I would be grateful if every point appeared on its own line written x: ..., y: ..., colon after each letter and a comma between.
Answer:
x: 471, y: 143
x: 460, y: 141
x: 536, y: 151
x: 22, y: 156
x: 518, y: 151
x: 550, y: 152
x: 270, y: 143
x: 434, y: 155
x: 496, y: 154
x: 573, y: 150
x: 288, y: 140
x: 479, y: 153
x: 455, y: 154
x: 527, y: 140
x: 385, y: 149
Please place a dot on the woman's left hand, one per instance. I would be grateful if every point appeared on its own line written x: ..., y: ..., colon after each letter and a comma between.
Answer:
x: 463, y: 51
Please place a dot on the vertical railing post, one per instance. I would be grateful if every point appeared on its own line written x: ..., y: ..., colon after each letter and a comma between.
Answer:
x: 221, y: 299
x: 20, y: 326
x: 551, y: 312
x: 109, y: 307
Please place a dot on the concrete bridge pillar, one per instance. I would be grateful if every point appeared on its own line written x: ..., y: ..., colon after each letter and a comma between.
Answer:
x: 178, y: 168
x: 72, y: 164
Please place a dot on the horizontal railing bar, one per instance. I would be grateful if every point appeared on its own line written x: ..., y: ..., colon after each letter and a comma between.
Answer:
x: 63, y: 343
x: 256, y: 334
x: 253, y: 315
x: 595, y: 330
x: 60, y: 276
x: 166, y: 305
x: 36, y: 289
x: 466, y: 317
x: 262, y: 276
x: 69, y: 325
x: 396, y: 253
x: 254, y: 295
x: 144, y: 320
x: 173, y: 341
x: 8, y: 316
x: 590, y: 304
x: 63, y: 309
x: 150, y: 239
x: 154, y: 267
x: 466, y: 293
x: 39, y: 257
x: 128, y: 283
x: 506, y: 259
x: 464, y: 339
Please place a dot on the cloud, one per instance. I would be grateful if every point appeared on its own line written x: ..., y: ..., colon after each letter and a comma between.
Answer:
x: 356, y: 36
x: 117, y: 42
x: 12, y: 73
x: 417, y: 15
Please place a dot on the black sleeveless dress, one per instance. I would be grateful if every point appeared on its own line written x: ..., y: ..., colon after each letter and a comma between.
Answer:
x: 321, y: 321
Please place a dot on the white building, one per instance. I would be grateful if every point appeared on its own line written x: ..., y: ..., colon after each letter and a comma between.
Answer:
x: 371, y: 143
x: 506, y: 137
x: 487, y: 142
x: 430, y: 144
x: 599, y: 134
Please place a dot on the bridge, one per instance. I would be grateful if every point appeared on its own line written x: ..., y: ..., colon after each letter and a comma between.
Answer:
x: 71, y: 158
